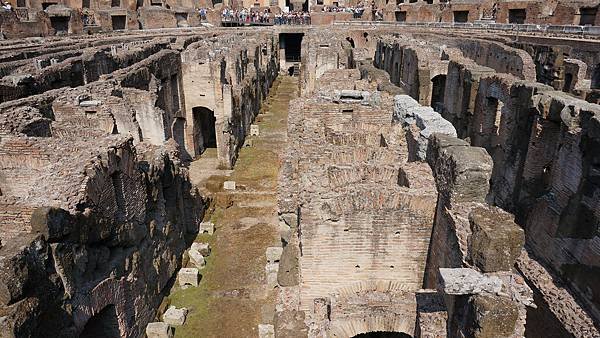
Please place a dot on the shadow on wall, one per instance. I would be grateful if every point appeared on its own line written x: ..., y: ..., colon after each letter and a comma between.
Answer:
x: 104, y: 324
x: 596, y: 77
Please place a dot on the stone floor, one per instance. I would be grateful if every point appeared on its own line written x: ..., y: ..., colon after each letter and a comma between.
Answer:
x: 233, y: 298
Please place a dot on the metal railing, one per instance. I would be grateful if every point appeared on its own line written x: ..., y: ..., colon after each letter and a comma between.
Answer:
x: 557, y: 29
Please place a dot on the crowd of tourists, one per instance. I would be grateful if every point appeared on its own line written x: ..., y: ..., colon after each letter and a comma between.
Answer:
x: 252, y: 16
x: 292, y: 18
x: 357, y: 11
x: 245, y: 15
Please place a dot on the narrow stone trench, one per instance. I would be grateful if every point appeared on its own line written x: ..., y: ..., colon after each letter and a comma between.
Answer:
x: 233, y: 296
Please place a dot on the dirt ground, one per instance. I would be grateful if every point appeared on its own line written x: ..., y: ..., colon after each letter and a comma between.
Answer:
x: 233, y: 297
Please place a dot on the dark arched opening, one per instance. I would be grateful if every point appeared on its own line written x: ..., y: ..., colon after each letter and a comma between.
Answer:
x: 596, y: 77
x: 205, y: 135
x: 382, y: 334
x: 102, y: 325
x: 568, y: 82
x: 349, y: 39
x: 438, y: 87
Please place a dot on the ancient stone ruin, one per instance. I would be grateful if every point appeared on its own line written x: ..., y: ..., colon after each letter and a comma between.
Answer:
x: 350, y: 180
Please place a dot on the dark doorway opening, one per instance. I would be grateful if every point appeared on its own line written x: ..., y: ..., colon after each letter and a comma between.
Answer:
x: 382, y: 334
x: 517, y: 16
x: 102, y: 325
x: 351, y: 40
x: 181, y: 19
x: 568, y: 82
x: 45, y: 5
x: 596, y: 77
x: 115, y: 3
x: 461, y: 16
x: 490, y: 126
x: 118, y: 22
x: 21, y: 3
x: 400, y: 16
x: 588, y: 16
x: 85, y: 4
x: 60, y: 24
x: 179, y: 131
x: 438, y: 87
x: 292, y: 44
x: 205, y: 135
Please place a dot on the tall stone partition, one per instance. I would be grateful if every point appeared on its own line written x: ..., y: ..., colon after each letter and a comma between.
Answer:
x: 228, y: 85
x: 96, y: 206
x: 481, y: 240
x: 105, y: 248
x: 563, y: 190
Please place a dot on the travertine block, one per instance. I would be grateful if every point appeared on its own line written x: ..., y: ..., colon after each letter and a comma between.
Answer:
x: 465, y: 281
x: 189, y: 276
x: 274, y: 254
x: 203, y: 248
x: 174, y: 316
x: 159, y: 330
x: 208, y: 227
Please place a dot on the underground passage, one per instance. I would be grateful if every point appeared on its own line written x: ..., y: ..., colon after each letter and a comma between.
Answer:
x: 421, y: 170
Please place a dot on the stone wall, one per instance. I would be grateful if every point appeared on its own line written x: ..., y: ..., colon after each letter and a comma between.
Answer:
x: 232, y: 84
x: 96, y: 206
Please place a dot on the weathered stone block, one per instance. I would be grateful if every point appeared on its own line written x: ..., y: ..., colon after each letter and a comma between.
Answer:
x: 196, y: 258
x: 266, y: 331
x: 229, y: 185
x: 437, y: 143
x: 465, y: 281
x: 202, y: 248
x: 496, y: 241
x: 274, y: 254
x: 403, y: 105
x: 254, y: 130
x: 208, y: 227
x: 159, y: 330
x: 189, y: 276
x: 174, y: 316
x: 271, y: 270
x: 493, y: 317
x: 289, y: 274
x: 290, y: 324
x: 462, y: 174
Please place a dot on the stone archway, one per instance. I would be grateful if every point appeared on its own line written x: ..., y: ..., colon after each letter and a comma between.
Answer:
x: 352, y: 312
x: 104, y: 324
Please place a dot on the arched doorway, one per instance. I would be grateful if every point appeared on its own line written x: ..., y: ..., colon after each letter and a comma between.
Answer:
x: 205, y: 135
x: 438, y: 87
x: 102, y: 325
x: 382, y: 334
